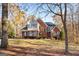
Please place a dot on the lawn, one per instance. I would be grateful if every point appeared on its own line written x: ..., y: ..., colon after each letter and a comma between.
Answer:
x: 46, y: 47
x: 36, y: 43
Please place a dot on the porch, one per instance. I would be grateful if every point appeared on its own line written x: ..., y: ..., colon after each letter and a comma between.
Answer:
x: 35, y: 34
x: 30, y: 33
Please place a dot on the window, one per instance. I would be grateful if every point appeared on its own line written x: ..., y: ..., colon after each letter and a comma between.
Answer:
x: 32, y: 24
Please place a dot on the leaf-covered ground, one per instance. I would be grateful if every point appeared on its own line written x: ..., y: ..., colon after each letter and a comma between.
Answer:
x: 38, y: 47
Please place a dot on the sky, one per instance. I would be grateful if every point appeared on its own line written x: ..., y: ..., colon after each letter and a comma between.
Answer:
x: 30, y: 9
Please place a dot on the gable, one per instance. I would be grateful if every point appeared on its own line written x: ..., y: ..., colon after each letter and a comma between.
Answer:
x: 31, y: 24
x: 42, y: 23
x: 50, y: 24
x: 55, y: 29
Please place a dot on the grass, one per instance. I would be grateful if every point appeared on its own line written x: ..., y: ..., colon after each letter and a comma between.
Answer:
x: 41, y: 42
x: 38, y: 47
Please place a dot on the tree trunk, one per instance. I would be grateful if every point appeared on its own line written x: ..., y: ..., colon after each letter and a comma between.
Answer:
x: 65, y: 29
x: 63, y: 18
x: 4, y: 40
x: 66, y: 39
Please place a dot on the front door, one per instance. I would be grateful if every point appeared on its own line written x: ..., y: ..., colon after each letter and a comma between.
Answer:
x: 48, y: 34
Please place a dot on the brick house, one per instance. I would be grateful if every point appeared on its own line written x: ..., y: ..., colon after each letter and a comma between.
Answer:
x: 36, y: 28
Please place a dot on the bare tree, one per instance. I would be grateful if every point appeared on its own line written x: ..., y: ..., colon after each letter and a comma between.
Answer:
x: 74, y: 17
x: 61, y: 12
x: 4, y: 40
x: 65, y: 29
x: 73, y: 23
x: 77, y: 18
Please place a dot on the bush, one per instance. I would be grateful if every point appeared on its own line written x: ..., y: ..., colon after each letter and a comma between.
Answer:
x: 11, y: 34
x: 62, y: 34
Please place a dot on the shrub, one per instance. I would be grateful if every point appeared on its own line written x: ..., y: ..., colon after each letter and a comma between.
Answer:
x: 11, y: 34
x: 62, y: 34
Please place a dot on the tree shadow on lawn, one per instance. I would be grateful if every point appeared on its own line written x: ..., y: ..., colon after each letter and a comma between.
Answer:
x: 29, y: 51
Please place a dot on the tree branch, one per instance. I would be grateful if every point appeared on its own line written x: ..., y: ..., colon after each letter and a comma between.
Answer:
x: 53, y: 11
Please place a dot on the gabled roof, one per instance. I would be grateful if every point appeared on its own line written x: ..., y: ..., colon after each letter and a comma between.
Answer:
x: 24, y: 28
x: 55, y: 29
x: 42, y: 23
x: 50, y: 24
